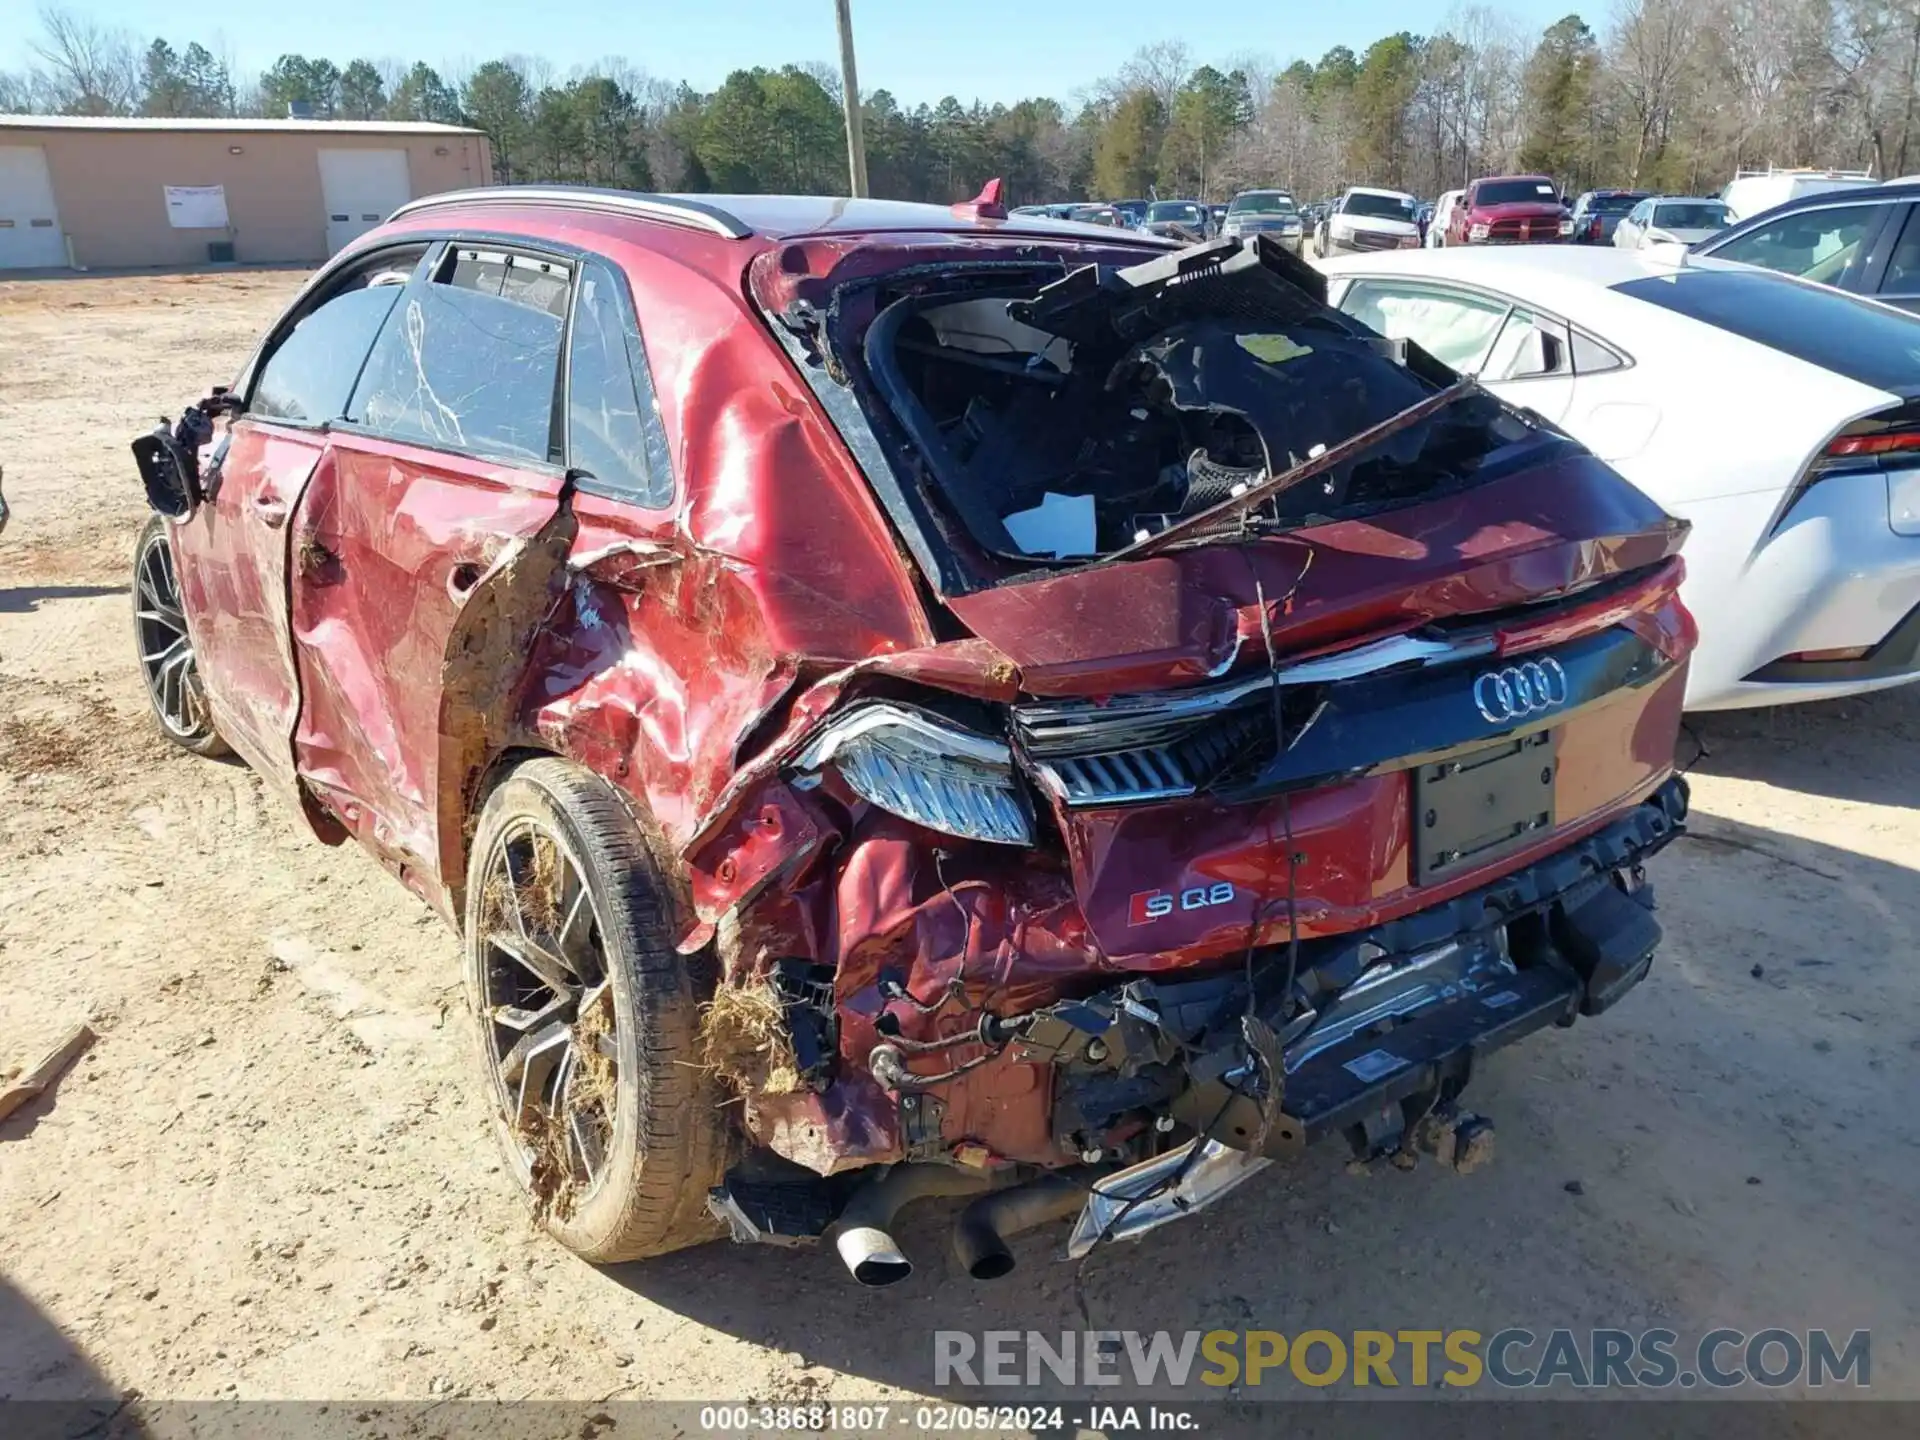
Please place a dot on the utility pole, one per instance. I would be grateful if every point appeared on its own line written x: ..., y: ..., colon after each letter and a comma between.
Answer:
x: 850, y: 97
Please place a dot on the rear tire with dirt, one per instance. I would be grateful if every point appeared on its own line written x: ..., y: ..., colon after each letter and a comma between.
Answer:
x: 175, y: 692
x: 588, y: 1018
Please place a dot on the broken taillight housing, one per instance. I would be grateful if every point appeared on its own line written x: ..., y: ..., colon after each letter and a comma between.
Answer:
x: 926, y: 770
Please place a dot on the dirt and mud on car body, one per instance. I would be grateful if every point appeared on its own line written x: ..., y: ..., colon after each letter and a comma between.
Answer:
x: 1085, y: 720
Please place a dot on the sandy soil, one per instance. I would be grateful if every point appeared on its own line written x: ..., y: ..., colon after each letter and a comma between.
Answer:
x: 272, y: 1176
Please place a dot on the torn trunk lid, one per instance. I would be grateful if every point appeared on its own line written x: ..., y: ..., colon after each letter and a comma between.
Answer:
x: 1180, y: 618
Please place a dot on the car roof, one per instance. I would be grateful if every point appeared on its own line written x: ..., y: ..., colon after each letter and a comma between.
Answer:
x: 1602, y: 290
x: 770, y: 217
x: 1375, y: 190
x: 760, y: 220
x: 1559, y: 278
x: 1890, y: 194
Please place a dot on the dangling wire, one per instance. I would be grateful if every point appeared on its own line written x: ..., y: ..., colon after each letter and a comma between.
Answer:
x: 1253, y: 1031
x: 1263, y: 1049
x: 1700, y: 750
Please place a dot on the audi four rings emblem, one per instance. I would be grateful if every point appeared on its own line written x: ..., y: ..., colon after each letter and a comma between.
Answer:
x: 1520, y: 690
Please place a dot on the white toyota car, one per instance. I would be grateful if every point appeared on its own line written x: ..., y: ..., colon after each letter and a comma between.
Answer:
x: 1782, y: 418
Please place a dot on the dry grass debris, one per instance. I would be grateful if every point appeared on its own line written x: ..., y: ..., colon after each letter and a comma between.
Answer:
x: 744, y: 1039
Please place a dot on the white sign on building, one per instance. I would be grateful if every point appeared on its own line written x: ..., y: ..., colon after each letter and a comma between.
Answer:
x: 197, y: 207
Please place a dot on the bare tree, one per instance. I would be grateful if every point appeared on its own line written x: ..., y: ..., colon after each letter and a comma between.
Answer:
x: 1160, y: 68
x: 90, y: 69
x: 1652, y: 50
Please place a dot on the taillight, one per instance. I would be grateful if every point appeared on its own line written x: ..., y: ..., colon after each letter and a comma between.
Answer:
x: 1830, y: 657
x: 1884, y: 442
x: 1593, y: 228
x: 1889, y: 442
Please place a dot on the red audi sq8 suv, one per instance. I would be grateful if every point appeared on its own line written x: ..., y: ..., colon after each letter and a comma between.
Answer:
x: 902, y: 700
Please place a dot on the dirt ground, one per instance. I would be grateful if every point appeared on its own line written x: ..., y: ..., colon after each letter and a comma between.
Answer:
x: 272, y: 1176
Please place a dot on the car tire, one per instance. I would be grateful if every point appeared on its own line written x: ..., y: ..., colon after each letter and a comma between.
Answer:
x: 176, y: 695
x: 664, y: 1144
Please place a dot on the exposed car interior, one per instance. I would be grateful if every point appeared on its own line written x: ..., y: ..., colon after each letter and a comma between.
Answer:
x: 1077, y: 418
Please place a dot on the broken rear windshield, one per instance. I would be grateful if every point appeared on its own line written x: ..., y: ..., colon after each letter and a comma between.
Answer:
x: 1065, y: 421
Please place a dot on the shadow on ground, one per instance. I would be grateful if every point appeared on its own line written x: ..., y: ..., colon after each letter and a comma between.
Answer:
x: 39, y: 1362
x: 1662, y: 1165
x: 1863, y: 748
x: 22, y: 598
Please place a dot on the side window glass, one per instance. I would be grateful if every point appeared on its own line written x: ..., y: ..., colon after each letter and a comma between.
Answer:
x: 1590, y: 357
x: 611, y: 432
x: 1816, y: 244
x: 1903, y: 269
x: 1528, y: 347
x: 309, y: 376
x: 469, y: 360
x: 1455, y: 329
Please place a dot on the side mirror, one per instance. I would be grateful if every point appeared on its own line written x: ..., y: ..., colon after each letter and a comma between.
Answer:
x: 168, y: 456
x: 167, y: 470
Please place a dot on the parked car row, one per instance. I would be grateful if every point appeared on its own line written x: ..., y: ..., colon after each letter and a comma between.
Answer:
x: 1251, y: 212
x: 1493, y: 210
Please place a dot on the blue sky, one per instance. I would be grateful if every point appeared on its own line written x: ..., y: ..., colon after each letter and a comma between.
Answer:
x: 919, y: 49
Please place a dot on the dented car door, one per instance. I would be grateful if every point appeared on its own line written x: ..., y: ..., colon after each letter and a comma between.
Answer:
x: 445, y: 459
x: 232, y: 553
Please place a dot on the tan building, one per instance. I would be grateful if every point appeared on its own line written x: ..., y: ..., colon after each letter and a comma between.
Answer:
x: 97, y: 191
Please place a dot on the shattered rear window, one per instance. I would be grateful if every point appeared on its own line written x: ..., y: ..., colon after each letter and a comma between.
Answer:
x: 1067, y: 421
x: 469, y: 360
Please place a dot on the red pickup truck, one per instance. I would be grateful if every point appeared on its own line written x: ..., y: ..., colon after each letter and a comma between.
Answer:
x: 1507, y: 210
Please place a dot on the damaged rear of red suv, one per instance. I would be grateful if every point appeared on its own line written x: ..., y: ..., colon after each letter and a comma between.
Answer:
x: 1089, y: 721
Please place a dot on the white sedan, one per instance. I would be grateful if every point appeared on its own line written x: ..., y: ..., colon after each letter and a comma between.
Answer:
x: 1780, y: 417
x: 1670, y: 220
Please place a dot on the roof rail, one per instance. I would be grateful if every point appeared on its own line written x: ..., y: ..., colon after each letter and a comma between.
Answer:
x: 672, y: 209
x: 1866, y: 174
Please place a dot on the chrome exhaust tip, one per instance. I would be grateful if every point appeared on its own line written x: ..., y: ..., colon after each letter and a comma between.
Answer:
x: 872, y: 1257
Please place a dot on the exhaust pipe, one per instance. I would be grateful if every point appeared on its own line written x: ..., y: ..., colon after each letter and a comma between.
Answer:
x: 980, y: 1234
x: 864, y: 1232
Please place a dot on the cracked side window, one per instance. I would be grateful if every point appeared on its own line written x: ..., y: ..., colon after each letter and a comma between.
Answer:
x: 468, y: 360
x: 607, y: 432
x: 309, y: 376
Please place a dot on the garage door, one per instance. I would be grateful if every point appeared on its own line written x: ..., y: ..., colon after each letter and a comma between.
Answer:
x: 361, y: 188
x: 29, y: 226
